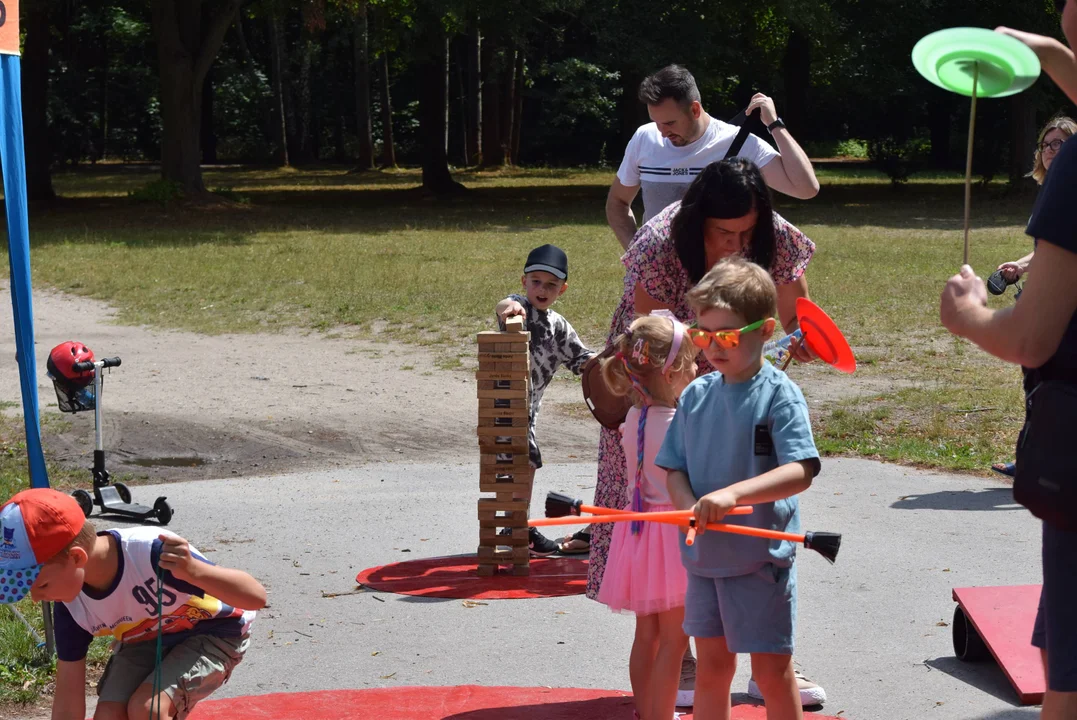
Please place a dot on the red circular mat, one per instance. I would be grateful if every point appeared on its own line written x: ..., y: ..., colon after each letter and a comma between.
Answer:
x: 455, y: 577
x: 466, y: 702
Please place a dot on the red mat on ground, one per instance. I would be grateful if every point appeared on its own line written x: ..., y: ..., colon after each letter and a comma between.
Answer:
x: 455, y: 578
x: 1004, y: 617
x: 466, y: 702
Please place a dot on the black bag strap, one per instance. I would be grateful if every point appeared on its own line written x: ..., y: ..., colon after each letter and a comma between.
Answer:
x: 742, y: 134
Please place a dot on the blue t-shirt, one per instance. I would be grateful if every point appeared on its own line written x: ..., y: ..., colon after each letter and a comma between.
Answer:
x: 1053, y: 221
x: 724, y: 433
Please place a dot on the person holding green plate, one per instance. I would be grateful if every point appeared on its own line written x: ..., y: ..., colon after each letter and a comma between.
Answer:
x: 1039, y: 333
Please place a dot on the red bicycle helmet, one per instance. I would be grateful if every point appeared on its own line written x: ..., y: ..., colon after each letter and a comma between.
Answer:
x: 62, y: 360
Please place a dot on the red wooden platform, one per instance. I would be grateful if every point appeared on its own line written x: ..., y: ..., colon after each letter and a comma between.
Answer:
x: 1004, y: 617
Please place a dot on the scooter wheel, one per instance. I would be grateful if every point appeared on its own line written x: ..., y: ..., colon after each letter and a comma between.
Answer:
x: 85, y: 501
x: 124, y: 491
x: 162, y: 511
x: 968, y: 645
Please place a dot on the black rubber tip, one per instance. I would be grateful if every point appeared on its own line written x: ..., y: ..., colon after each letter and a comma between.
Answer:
x: 560, y: 505
x: 826, y: 544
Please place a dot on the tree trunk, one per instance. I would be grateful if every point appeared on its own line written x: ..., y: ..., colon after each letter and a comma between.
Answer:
x: 473, y: 129
x: 629, y: 108
x: 280, y: 126
x: 493, y: 153
x: 507, y: 103
x: 796, y: 75
x: 518, y: 108
x: 35, y: 91
x: 938, y: 119
x: 303, y: 147
x: 184, y: 54
x: 208, y: 134
x: 1022, y: 136
x: 430, y: 71
x: 362, y: 88
x: 388, y: 149
x: 448, y: 95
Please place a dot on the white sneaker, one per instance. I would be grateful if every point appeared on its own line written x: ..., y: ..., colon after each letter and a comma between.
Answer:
x: 686, y: 691
x: 810, y: 693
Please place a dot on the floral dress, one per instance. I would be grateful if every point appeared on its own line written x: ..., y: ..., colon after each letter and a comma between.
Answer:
x: 652, y: 263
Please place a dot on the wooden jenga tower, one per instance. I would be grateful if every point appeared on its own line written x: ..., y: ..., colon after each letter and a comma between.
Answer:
x: 504, y: 379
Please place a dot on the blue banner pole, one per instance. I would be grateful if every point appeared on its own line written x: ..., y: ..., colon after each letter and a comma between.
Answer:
x: 13, y: 157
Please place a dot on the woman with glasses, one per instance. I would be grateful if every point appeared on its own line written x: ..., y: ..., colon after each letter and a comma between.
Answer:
x: 1057, y: 131
x: 726, y: 211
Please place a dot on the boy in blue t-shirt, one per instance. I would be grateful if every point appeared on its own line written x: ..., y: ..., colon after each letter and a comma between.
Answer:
x: 741, y: 436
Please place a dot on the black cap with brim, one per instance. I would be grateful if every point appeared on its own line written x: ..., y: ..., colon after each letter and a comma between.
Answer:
x: 548, y: 258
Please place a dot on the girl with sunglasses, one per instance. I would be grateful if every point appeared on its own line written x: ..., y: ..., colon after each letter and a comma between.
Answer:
x: 655, y: 361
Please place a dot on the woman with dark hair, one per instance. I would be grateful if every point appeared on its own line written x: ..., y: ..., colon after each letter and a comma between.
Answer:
x: 726, y: 211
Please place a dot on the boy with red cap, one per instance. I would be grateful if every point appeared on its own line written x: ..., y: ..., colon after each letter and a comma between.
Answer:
x: 108, y: 585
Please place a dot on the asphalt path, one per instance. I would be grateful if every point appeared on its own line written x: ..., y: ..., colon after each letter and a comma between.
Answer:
x: 874, y: 629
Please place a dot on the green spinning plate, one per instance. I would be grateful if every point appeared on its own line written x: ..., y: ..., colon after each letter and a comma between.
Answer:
x: 948, y: 58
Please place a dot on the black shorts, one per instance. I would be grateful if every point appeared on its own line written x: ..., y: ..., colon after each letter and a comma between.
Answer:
x: 1056, y: 620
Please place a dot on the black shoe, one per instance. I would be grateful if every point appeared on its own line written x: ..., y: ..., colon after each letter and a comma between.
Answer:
x: 540, y: 545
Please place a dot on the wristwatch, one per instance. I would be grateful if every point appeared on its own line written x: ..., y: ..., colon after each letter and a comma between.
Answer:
x: 775, y: 125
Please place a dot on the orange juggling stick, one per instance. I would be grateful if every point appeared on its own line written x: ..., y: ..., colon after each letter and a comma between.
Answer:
x: 558, y: 506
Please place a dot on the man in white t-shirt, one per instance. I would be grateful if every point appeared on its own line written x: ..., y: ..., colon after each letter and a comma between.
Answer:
x: 665, y: 156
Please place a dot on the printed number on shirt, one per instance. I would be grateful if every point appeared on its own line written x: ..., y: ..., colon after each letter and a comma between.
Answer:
x: 148, y: 596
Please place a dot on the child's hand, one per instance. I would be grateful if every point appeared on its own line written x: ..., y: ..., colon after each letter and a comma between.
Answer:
x: 176, y: 557
x: 511, y: 309
x: 712, y: 507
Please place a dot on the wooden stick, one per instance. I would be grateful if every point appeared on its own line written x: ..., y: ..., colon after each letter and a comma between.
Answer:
x: 968, y: 157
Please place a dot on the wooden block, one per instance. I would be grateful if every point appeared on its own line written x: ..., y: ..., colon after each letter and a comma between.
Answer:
x: 499, y: 417
x: 502, y: 444
x: 485, y: 570
x: 503, y: 404
x: 517, y: 384
x: 515, y: 324
x: 494, y: 519
x: 521, y: 366
x: 487, y: 504
x: 489, y: 337
x: 492, y: 536
x: 521, y: 570
x: 517, y: 476
x: 503, y: 394
x: 493, y: 375
x: 505, y: 556
x: 499, y: 459
x: 503, y: 431
x: 505, y: 357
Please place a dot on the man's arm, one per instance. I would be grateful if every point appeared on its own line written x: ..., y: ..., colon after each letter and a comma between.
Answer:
x: 1057, y: 60
x: 619, y: 211
x: 1028, y: 333
x: 69, y: 698
x: 791, y: 172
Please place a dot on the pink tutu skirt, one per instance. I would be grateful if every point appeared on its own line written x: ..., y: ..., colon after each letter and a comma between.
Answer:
x: 644, y: 574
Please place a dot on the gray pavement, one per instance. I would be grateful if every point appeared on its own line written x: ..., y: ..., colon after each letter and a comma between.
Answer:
x: 873, y: 629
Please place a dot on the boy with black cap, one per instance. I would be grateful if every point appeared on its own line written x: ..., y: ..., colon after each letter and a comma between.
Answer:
x: 553, y: 343
x: 129, y: 584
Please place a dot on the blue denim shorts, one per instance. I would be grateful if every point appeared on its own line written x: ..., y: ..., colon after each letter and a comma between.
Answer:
x: 1056, y: 620
x: 754, y: 613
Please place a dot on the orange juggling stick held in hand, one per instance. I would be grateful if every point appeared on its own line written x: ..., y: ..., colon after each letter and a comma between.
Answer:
x: 559, y: 506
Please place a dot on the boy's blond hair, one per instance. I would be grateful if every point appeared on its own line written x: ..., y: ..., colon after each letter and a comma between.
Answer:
x: 85, y: 540
x: 738, y: 285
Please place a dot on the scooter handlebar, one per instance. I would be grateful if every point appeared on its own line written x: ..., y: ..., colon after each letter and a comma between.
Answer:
x: 83, y: 366
x: 110, y: 362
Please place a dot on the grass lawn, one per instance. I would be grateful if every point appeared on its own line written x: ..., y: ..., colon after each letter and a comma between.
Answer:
x: 323, y: 248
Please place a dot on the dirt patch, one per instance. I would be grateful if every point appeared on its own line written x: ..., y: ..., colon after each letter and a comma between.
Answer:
x: 185, y: 406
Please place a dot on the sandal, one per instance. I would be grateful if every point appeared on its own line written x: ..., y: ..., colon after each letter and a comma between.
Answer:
x: 576, y: 544
x: 1007, y: 469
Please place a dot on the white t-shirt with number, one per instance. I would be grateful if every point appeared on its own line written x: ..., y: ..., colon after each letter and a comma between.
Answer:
x: 664, y: 171
x: 128, y: 609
